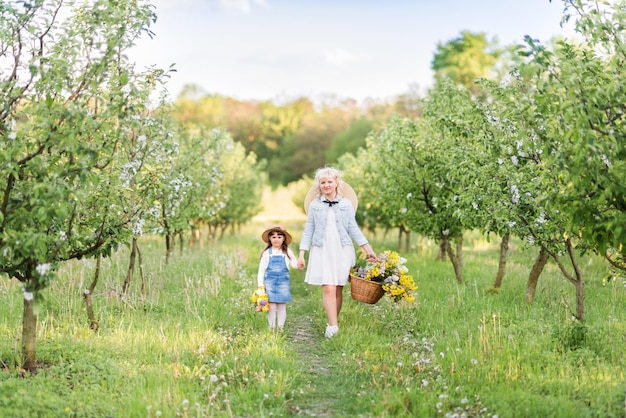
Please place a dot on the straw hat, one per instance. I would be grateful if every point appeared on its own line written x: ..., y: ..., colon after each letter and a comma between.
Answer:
x: 346, y: 191
x: 267, y: 232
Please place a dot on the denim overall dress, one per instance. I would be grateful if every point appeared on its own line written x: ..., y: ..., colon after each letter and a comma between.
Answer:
x: 277, y: 279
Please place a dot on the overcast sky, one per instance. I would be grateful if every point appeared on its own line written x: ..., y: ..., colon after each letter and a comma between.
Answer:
x: 281, y: 49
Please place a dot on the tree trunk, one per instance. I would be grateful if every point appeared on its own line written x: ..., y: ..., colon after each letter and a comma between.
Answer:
x: 131, y: 266
x: 457, y: 259
x: 93, y: 322
x: 580, y: 298
x: 444, y: 244
x: 535, y: 272
x: 504, y: 248
x: 407, y: 240
x: 169, y: 246
x: 403, y: 231
x: 141, y: 273
x: 196, y: 234
x: 29, y: 336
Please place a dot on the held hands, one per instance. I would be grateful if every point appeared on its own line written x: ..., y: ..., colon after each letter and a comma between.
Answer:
x: 301, y: 263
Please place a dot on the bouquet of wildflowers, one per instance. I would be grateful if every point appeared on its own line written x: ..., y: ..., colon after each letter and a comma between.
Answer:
x: 261, y: 302
x: 391, y: 272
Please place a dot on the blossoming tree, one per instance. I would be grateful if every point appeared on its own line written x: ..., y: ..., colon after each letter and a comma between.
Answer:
x: 65, y: 88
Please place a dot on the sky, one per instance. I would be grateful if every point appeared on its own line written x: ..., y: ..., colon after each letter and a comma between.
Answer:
x: 284, y: 49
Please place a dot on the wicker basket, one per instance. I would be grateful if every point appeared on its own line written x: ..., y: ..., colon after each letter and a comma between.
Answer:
x: 365, y: 291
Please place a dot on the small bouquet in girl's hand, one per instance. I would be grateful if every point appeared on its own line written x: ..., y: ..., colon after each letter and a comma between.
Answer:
x: 259, y: 298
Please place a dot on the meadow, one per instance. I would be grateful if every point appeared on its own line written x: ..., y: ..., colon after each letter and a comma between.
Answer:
x: 190, y: 343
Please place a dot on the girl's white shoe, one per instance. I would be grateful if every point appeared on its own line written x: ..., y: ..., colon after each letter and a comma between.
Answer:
x: 331, y: 330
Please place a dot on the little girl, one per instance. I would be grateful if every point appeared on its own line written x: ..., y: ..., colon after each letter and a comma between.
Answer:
x: 273, y: 276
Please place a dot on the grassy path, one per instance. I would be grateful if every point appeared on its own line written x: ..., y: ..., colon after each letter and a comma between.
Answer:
x: 317, y: 356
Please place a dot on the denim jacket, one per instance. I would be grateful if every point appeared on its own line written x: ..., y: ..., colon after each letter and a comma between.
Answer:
x: 315, y: 229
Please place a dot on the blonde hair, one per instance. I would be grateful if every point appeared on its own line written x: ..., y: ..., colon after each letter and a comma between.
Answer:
x: 328, y: 172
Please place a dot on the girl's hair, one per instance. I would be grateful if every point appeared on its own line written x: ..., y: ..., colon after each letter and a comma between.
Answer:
x: 283, y: 247
x: 325, y: 172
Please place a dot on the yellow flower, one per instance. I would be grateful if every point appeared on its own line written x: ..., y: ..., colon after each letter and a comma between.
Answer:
x: 391, y: 272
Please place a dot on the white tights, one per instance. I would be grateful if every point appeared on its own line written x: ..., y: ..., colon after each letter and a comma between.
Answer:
x: 277, y: 311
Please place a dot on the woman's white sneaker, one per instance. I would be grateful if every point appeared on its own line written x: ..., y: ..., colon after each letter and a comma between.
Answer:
x: 331, y: 330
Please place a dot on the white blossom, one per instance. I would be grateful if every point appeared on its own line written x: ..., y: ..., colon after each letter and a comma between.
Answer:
x: 606, y: 161
x: 42, y: 269
x: 514, y: 194
x: 28, y: 296
x: 542, y: 218
x: 138, y: 227
x: 514, y: 159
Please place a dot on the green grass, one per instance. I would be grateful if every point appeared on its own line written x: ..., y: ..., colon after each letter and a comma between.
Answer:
x: 192, y: 345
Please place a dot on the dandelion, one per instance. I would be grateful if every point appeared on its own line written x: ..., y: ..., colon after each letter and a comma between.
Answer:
x: 213, y: 378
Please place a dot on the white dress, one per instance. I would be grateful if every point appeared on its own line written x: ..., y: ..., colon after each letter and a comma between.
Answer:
x: 330, y: 263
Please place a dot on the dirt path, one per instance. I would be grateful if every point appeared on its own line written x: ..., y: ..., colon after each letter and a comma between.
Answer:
x: 314, y: 369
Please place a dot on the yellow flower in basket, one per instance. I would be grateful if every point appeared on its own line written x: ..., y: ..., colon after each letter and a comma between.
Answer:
x: 390, y: 271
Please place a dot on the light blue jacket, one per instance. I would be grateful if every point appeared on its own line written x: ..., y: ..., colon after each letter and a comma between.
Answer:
x: 315, y: 229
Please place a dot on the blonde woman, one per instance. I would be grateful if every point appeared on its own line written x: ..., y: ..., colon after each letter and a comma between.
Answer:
x: 328, y: 235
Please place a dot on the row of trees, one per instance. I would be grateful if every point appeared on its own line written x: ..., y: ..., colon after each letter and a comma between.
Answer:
x: 294, y: 137
x: 539, y: 155
x: 86, y: 162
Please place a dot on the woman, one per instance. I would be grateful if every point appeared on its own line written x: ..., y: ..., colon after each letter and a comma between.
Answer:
x: 330, y: 228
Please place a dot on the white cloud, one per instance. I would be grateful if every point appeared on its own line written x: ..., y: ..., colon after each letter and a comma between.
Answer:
x: 341, y: 58
x: 243, y: 6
